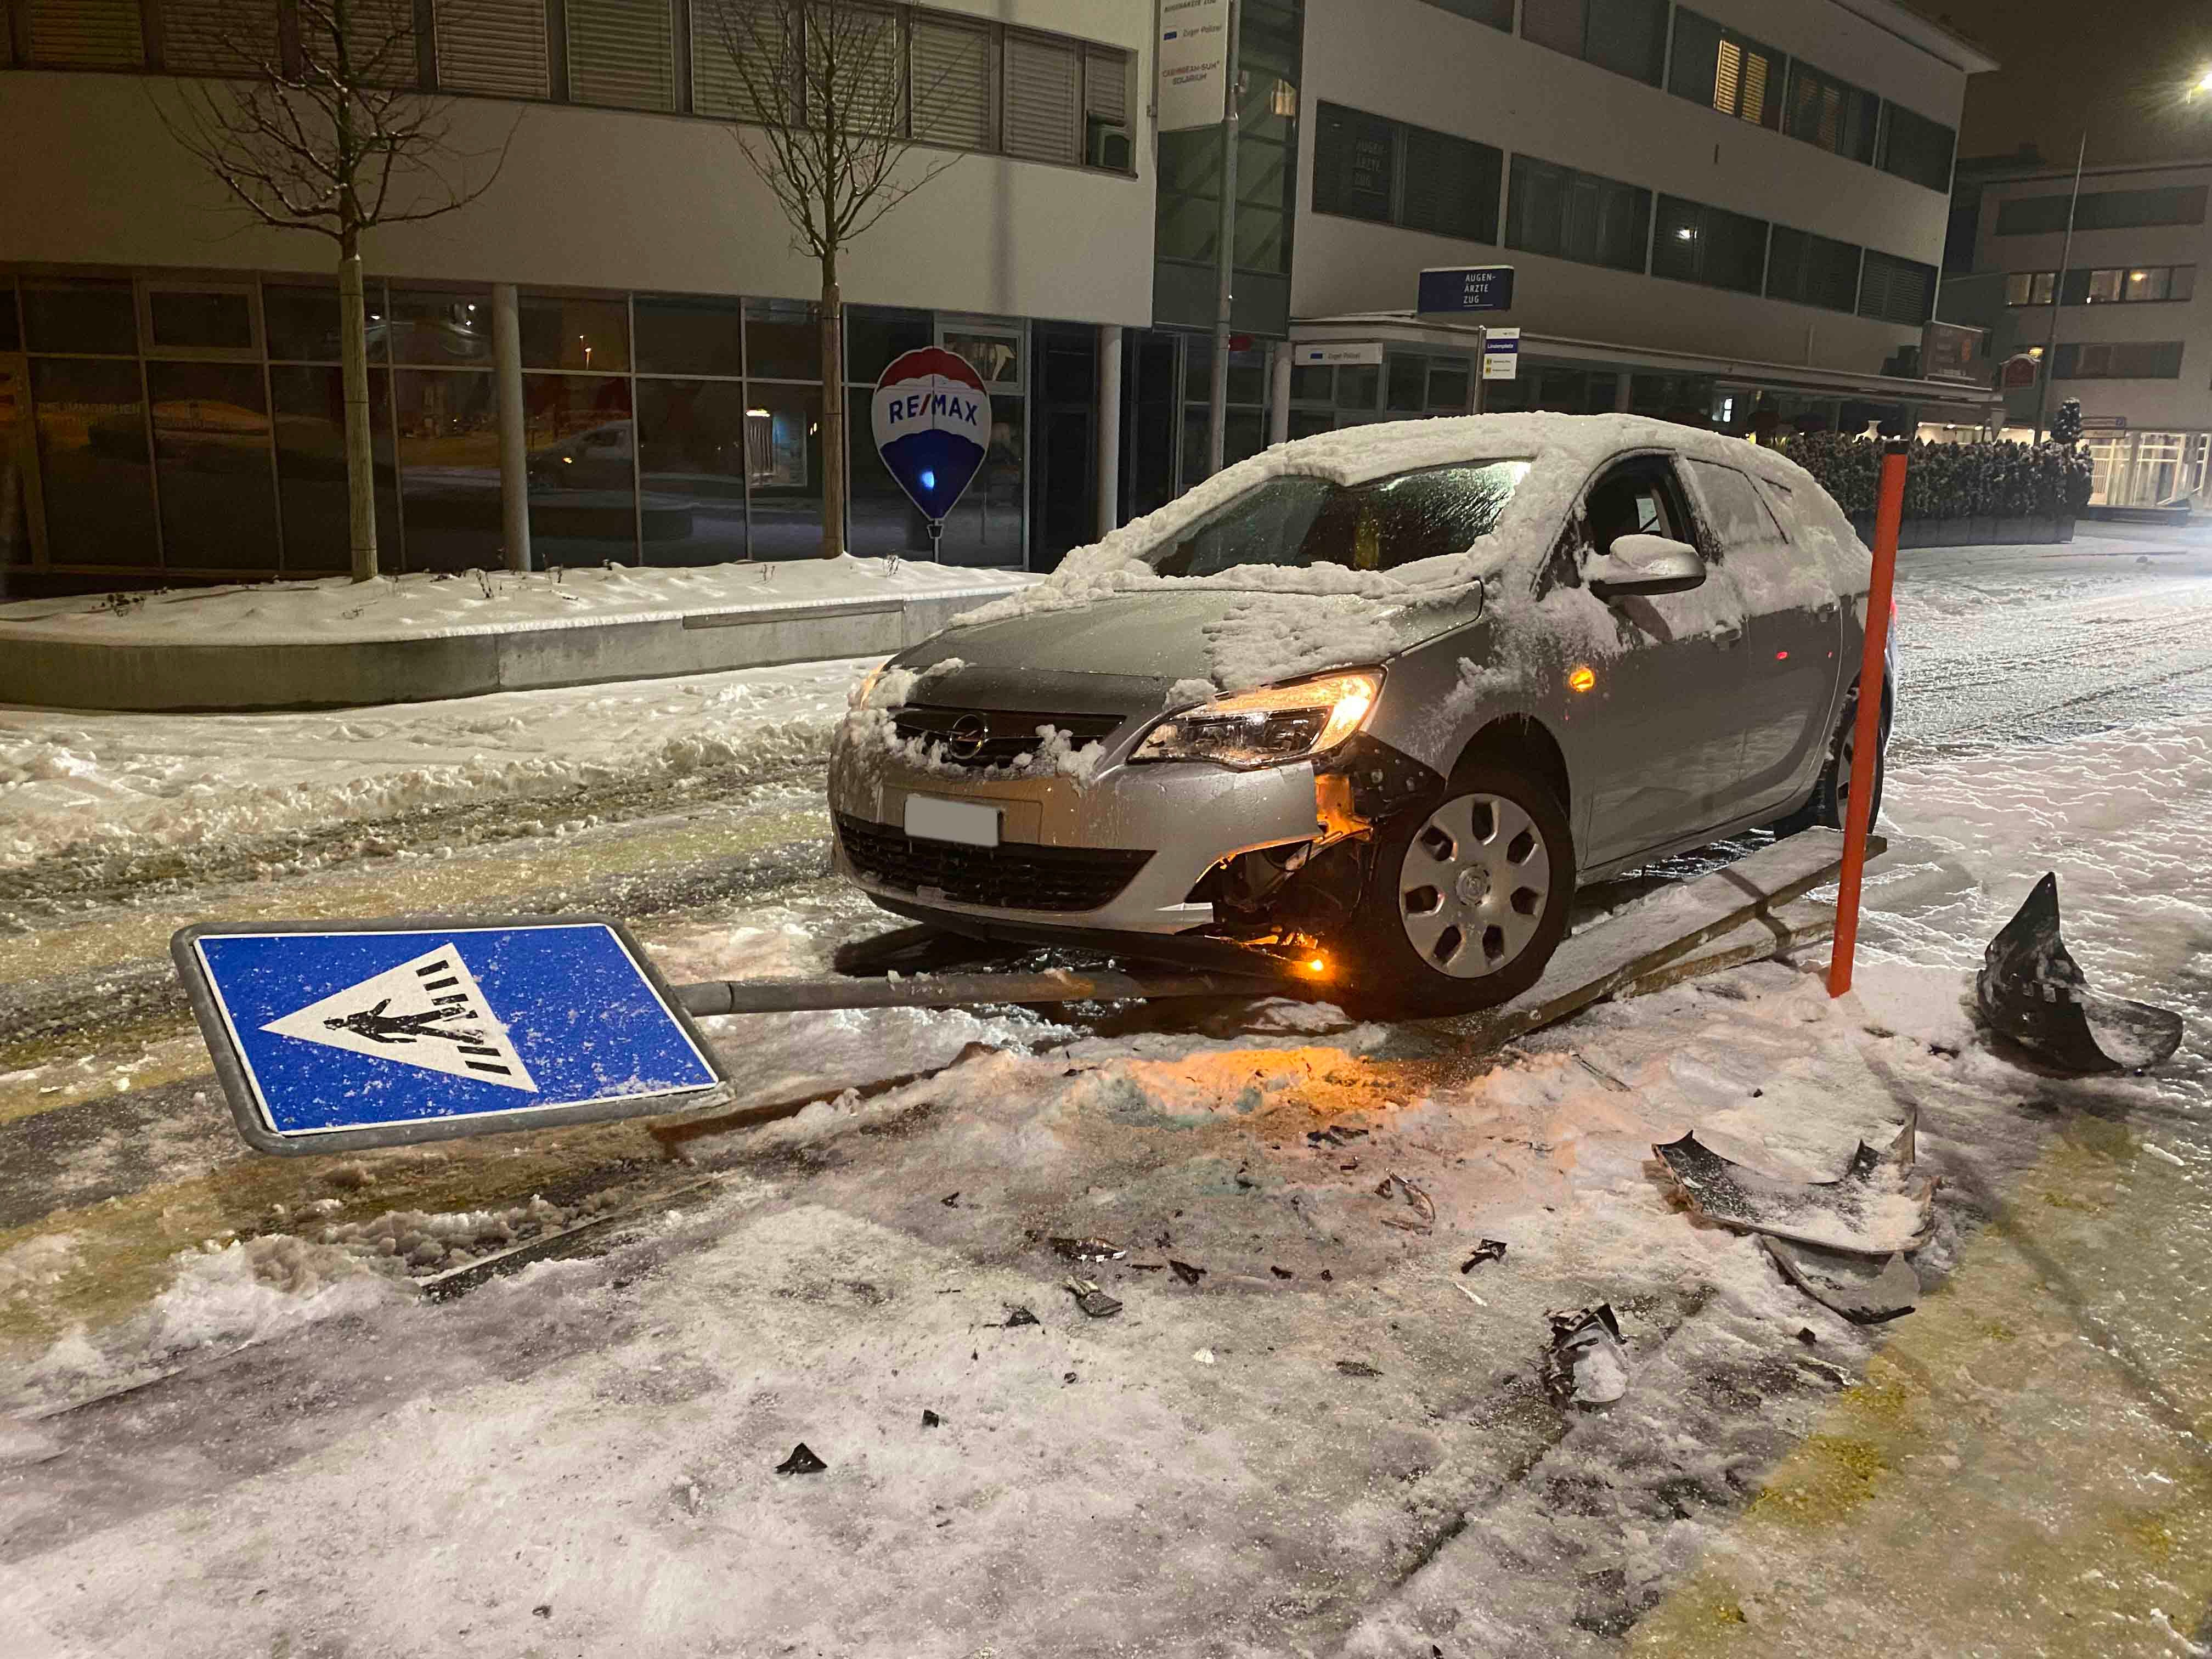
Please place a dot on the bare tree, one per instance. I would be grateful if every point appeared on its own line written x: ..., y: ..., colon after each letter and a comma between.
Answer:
x: 326, y: 129
x: 826, y: 112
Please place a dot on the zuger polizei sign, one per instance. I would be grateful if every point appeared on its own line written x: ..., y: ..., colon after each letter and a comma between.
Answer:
x: 932, y: 425
x: 1193, y: 63
x: 331, y: 1035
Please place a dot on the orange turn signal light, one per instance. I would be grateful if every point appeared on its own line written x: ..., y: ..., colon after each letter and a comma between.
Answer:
x: 1581, y: 679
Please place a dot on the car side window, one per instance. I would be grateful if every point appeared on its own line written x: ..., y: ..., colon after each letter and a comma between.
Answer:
x: 1740, y: 515
x: 1639, y: 496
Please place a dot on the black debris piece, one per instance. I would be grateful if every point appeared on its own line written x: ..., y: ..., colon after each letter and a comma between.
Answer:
x: 1490, y: 1249
x: 1852, y: 1213
x: 1807, y: 1335
x: 1069, y: 1377
x: 1148, y: 1267
x: 1865, y: 1290
x: 1325, y: 1274
x: 2031, y: 989
x: 930, y: 1419
x: 1281, y: 1273
x: 1588, y: 1363
x: 950, y: 1200
x: 1087, y: 1249
x: 1016, y: 1317
x: 1185, y: 1271
x: 802, y: 1460
x: 1336, y: 1134
x: 1357, y: 1368
x: 542, y: 1610
x: 1092, y: 1300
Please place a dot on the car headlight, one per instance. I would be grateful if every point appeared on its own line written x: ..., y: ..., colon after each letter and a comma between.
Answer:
x: 1271, y: 727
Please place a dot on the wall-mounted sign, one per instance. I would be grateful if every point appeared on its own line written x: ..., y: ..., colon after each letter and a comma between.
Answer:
x: 1953, y: 351
x: 1193, y: 63
x: 1501, y: 353
x: 1466, y: 287
x: 2019, y: 370
x: 2104, y: 423
x: 933, y: 426
x: 1325, y: 352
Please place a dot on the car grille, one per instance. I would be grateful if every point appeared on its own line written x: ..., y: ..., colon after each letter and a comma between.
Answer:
x: 1008, y: 876
x: 979, y: 737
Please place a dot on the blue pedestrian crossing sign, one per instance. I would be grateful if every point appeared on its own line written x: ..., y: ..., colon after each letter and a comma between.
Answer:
x: 330, y: 1037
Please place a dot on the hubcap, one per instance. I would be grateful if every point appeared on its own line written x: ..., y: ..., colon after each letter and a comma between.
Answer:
x: 1472, y: 885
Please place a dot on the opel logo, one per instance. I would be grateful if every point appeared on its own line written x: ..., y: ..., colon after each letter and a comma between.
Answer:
x: 965, y: 737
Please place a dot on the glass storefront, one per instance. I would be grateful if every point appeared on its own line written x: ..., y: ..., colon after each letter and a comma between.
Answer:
x: 2150, y: 469
x: 174, y: 427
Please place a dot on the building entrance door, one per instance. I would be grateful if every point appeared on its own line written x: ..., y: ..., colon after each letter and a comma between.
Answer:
x: 1063, y: 499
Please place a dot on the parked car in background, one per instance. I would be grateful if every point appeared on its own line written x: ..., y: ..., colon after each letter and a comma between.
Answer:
x: 1373, y: 702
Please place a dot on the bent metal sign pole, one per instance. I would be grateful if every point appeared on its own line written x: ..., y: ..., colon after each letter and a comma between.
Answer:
x: 1866, y: 730
x: 933, y: 426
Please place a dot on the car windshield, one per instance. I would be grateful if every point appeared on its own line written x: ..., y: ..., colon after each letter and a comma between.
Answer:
x: 1300, y: 521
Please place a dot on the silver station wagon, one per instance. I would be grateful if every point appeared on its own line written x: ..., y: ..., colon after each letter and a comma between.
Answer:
x: 1372, y: 704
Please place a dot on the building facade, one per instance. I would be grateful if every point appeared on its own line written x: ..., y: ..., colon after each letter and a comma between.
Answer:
x: 1731, y: 213
x: 2133, y: 321
x: 168, y: 384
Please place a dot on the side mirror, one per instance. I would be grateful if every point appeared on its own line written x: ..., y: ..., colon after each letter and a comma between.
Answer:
x: 1644, y: 564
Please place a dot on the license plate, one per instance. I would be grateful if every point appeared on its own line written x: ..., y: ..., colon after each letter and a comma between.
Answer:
x: 970, y: 825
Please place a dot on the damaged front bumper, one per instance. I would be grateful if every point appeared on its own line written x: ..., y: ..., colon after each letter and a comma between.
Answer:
x: 1186, y: 859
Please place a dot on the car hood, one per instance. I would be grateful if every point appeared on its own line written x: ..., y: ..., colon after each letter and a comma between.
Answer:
x: 1130, y: 650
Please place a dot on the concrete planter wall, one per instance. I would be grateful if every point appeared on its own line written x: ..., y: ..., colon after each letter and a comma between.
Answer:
x: 78, y: 674
x: 1971, y: 532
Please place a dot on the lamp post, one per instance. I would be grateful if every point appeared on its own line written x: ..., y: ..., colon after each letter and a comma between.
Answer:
x: 2058, y: 294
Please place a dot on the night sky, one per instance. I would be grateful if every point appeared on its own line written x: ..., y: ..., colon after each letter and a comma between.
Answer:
x: 2119, y: 67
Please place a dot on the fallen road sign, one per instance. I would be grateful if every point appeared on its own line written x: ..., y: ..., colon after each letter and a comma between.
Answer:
x: 328, y: 1036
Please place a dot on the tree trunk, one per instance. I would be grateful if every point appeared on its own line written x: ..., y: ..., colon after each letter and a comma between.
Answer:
x: 360, y: 465
x: 833, y: 410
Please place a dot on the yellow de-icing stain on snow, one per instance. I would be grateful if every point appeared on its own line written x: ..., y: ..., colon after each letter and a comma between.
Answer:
x: 2025, y: 1468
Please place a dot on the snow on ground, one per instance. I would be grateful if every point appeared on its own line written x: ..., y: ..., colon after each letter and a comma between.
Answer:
x: 1335, y: 1440
x: 76, y: 779
x: 424, y: 605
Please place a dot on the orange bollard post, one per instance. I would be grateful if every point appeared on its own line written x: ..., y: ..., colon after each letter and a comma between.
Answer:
x: 1866, y: 731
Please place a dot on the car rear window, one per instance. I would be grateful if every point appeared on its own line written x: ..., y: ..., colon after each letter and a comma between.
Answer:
x: 1297, y: 522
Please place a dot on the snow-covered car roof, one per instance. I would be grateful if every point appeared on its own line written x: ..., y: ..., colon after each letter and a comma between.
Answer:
x: 1563, y: 450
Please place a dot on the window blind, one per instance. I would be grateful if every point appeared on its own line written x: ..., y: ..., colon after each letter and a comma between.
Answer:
x: 722, y: 31
x: 621, y: 52
x: 951, y: 83
x: 217, y: 37
x: 86, y: 34
x: 1041, y: 99
x: 491, y: 45
x: 1894, y: 290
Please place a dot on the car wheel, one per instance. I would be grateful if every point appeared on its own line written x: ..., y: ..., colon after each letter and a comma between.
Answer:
x: 1468, y: 900
x: 1830, y: 797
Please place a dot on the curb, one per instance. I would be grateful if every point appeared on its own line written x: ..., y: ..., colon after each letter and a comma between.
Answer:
x: 220, y: 678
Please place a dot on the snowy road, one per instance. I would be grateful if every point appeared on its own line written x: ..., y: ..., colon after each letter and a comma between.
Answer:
x: 1199, y: 1473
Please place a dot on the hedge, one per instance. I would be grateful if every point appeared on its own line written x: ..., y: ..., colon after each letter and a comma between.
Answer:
x: 1951, y: 481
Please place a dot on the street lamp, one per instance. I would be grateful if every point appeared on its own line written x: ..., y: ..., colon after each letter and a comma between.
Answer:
x: 2201, y: 84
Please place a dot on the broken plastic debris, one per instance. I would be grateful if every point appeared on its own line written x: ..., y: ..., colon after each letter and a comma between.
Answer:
x: 950, y: 1200
x: 1490, y: 1249
x: 930, y: 1419
x: 2031, y: 990
x: 1204, y: 1356
x: 801, y: 1461
x: 1357, y: 1368
x: 1018, y: 1317
x: 1865, y: 1290
x: 1281, y: 1273
x: 1877, y: 1206
x: 1587, y: 1362
x: 1087, y: 1249
x: 1335, y: 1135
x: 1424, y: 1218
x: 1185, y: 1271
x: 1092, y: 1300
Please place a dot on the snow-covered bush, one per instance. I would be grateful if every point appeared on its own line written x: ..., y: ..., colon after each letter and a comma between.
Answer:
x: 1951, y: 480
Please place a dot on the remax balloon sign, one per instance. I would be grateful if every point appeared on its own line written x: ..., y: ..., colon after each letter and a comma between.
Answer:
x: 932, y: 426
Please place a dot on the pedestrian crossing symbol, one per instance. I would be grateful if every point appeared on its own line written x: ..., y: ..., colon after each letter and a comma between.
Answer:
x: 428, y: 1012
x: 331, y: 1035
